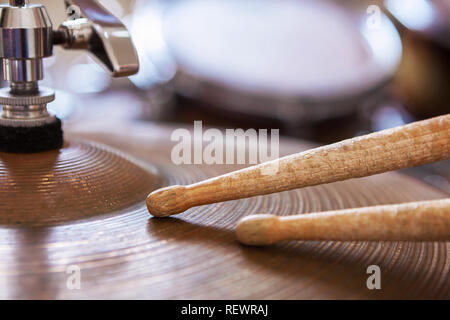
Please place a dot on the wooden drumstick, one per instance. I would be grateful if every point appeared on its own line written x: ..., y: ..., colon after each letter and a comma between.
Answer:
x: 402, y: 147
x: 417, y: 221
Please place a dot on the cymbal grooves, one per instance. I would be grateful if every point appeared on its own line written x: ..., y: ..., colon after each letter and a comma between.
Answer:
x: 77, y: 182
x: 128, y: 254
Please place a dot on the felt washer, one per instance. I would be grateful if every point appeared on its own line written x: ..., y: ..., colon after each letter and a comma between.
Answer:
x: 25, y: 125
x: 30, y: 136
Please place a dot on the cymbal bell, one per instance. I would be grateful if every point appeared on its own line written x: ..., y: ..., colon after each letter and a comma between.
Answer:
x: 79, y: 181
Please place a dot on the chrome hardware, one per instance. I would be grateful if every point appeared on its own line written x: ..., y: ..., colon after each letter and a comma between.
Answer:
x: 27, y: 37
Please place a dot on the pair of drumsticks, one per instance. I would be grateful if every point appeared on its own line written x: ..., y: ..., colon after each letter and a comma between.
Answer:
x: 402, y: 147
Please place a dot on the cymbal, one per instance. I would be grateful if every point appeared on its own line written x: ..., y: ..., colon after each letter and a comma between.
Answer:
x: 79, y: 181
x: 122, y: 252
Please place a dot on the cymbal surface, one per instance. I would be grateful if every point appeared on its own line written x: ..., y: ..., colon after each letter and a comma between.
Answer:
x: 79, y: 181
x: 128, y: 254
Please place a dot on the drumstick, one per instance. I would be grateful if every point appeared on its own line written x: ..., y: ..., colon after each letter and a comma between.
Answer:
x: 417, y: 221
x: 414, y: 144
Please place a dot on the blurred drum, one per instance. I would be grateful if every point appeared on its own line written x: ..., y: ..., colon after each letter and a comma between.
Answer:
x: 423, y: 81
x: 291, y: 60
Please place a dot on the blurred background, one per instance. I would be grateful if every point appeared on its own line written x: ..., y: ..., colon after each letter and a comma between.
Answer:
x: 319, y: 70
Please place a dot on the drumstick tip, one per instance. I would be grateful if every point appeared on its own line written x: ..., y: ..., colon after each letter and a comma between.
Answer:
x: 167, y: 201
x: 258, y: 230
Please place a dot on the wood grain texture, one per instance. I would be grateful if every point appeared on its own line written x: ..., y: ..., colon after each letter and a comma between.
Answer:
x: 397, y: 148
x: 413, y: 221
x: 128, y: 254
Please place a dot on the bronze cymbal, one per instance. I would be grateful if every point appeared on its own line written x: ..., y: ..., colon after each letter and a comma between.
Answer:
x: 122, y: 252
x: 77, y: 182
